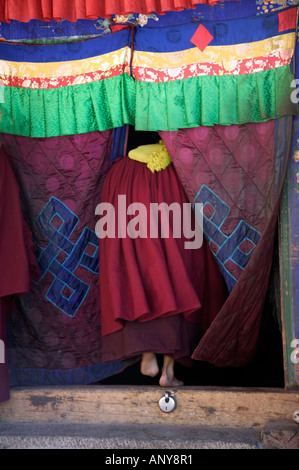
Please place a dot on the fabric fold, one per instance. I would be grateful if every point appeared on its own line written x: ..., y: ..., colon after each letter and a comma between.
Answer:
x: 17, y: 260
x: 73, y: 10
x: 223, y: 100
x: 118, y: 101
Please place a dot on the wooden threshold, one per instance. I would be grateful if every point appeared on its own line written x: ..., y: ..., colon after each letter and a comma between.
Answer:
x: 195, y: 406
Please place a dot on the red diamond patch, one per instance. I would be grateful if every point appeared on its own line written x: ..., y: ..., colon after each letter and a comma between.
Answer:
x: 202, y: 37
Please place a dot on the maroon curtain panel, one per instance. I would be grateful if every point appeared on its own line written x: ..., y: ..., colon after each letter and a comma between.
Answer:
x: 18, y: 265
x: 237, y: 173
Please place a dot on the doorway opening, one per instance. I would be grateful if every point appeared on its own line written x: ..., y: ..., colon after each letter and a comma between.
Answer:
x: 266, y: 370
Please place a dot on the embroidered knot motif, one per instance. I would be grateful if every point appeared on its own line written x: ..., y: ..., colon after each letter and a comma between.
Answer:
x: 61, y: 257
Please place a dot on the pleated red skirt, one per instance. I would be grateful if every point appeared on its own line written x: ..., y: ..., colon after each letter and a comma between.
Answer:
x: 156, y: 295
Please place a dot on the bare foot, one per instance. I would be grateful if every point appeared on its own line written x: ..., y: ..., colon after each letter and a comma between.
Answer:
x: 165, y: 382
x: 149, y: 365
x: 167, y: 378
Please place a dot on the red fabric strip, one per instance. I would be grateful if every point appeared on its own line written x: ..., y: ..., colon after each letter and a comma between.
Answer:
x: 45, y: 83
x: 73, y: 10
x: 240, y: 67
x: 287, y: 20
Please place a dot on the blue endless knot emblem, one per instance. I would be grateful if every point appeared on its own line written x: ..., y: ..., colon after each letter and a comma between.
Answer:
x: 228, y: 248
x: 57, y: 223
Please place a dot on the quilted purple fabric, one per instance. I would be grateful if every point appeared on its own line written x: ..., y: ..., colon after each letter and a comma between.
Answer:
x: 236, y: 172
x: 56, y: 327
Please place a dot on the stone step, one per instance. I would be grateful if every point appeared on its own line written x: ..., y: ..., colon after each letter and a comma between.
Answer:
x: 139, y: 436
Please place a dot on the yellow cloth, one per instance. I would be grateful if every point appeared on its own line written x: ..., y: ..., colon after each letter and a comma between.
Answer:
x: 155, y: 156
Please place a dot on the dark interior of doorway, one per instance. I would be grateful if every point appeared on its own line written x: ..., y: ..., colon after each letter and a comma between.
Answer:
x: 266, y: 370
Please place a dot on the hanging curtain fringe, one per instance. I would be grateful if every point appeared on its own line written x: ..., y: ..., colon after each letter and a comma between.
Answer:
x: 73, y: 10
x: 120, y: 100
x: 170, y: 83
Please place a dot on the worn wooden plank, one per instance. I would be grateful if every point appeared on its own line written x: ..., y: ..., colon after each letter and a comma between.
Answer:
x: 124, y: 405
x: 286, y: 288
x: 289, y: 268
x: 289, y: 260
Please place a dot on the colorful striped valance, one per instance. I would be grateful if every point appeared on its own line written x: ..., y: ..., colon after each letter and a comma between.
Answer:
x: 227, y: 72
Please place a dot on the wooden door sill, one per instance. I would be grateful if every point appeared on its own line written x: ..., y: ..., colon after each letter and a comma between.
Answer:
x: 130, y: 404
